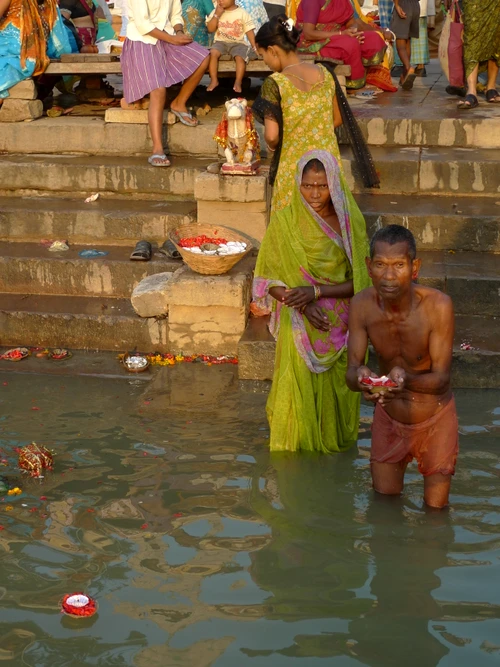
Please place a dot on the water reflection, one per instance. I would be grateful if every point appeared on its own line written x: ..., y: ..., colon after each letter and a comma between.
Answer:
x: 202, y: 549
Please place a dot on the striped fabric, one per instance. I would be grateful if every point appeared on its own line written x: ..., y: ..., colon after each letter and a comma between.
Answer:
x: 419, y: 47
x: 146, y: 67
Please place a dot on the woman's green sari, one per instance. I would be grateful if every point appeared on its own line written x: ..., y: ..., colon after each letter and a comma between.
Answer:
x: 310, y: 406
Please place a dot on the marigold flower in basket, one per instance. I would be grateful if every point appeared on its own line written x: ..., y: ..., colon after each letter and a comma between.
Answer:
x: 78, y: 605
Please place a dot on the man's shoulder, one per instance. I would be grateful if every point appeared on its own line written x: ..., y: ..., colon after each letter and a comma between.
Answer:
x: 364, y: 297
x: 432, y: 297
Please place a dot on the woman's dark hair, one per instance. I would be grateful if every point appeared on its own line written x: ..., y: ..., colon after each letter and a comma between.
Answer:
x: 314, y: 165
x: 277, y: 32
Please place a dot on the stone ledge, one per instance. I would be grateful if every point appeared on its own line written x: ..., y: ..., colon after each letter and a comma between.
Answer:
x: 149, y: 297
x: 248, y: 218
x: 24, y: 90
x: 212, y: 187
x: 136, y: 116
x: 206, y: 330
x: 15, y: 111
x: 233, y: 289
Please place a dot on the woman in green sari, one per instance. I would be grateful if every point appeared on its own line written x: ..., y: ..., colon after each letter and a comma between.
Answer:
x: 311, y: 262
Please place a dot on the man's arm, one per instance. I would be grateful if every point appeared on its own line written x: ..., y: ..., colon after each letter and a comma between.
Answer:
x: 358, y: 344
x: 437, y: 380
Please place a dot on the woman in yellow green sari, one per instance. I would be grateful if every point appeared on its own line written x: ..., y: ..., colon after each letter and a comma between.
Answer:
x: 311, y: 262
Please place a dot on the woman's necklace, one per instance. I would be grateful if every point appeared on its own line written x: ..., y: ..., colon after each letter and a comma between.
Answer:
x: 296, y: 76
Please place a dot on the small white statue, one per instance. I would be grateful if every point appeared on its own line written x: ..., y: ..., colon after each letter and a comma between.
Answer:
x: 237, y: 136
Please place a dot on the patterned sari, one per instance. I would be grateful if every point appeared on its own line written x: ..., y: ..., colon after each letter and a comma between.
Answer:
x: 310, y: 406
x: 329, y: 15
x: 30, y: 34
x: 194, y: 13
x: 481, y: 33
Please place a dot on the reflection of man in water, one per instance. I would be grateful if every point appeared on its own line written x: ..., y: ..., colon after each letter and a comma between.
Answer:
x: 411, y: 328
x: 408, y: 549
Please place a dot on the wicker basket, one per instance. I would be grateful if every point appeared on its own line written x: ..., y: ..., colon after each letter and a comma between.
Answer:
x: 211, y: 265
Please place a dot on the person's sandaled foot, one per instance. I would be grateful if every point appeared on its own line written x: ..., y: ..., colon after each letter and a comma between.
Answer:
x: 169, y: 250
x: 142, y: 252
x: 421, y: 71
x: 409, y: 80
x: 493, y: 96
x: 470, y: 102
x: 459, y: 91
x: 185, y: 117
x: 159, y: 160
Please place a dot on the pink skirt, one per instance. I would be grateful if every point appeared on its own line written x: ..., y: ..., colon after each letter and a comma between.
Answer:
x: 147, y: 67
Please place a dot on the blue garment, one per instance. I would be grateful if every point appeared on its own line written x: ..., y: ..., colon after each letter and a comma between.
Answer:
x: 385, y: 9
x: 11, y: 71
x: 256, y: 10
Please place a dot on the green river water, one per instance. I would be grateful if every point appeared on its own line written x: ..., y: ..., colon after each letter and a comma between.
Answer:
x: 203, y: 549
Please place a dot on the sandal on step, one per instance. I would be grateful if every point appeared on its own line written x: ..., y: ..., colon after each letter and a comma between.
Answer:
x: 182, y: 115
x: 460, y: 91
x: 159, y: 160
x: 408, y: 81
x: 470, y: 102
x: 169, y: 250
x: 142, y: 252
x: 492, y: 96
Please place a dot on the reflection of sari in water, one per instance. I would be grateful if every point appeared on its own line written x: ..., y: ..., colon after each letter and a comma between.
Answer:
x: 30, y: 34
x: 194, y: 13
x: 329, y: 15
x: 310, y: 406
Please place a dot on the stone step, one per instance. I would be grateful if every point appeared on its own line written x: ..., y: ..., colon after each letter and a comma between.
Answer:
x: 438, y: 223
x: 382, y: 122
x: 471, y: 279
x: 83, y: 176
x: 28, y: 267
x: 443, y: 171
x: 117, y: 221
x: 78, y: 322
x: 478, y: 368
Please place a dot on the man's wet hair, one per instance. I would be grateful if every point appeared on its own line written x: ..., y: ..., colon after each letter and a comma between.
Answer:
x: 393, y: 234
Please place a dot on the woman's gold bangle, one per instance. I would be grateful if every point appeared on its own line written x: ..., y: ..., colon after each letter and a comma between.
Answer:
x: 317, y: 292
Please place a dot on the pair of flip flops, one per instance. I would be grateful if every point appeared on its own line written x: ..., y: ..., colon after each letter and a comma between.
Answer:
x: 143, y: 251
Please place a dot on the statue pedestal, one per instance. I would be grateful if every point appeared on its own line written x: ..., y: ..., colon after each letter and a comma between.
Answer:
x: 240, y: 169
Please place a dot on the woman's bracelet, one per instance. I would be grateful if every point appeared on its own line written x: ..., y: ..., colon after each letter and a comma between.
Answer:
x: 317, y: 292
x: 271, y: 150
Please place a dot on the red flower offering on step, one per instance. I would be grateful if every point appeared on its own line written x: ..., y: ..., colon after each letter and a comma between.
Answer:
x: 378, y: 385
x: 197, y: 241
x: 78, y: 605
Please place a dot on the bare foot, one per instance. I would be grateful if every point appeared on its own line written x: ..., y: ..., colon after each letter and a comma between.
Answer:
x: 212, y: 85
x: 236, y: 87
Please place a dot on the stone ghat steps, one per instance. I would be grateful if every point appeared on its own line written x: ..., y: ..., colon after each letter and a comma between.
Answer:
x: 29, y: 267
x: 83, y: 176
x: 78, y: 322
x: 381, y: 124
x: 478, y: 368
x: 438, y: 223
x: 471, y: 279
x: 116, y: 221
x: 443, y: 171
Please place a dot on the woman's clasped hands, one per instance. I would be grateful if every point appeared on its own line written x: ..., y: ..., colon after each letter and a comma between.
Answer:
x: 304, y: 299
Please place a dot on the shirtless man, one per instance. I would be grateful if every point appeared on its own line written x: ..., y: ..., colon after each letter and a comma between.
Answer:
x: 411, y: 328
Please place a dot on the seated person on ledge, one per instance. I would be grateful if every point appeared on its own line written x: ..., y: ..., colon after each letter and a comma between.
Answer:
x: 411, y: 328
x: 31, y: 33
x: 230, y: 24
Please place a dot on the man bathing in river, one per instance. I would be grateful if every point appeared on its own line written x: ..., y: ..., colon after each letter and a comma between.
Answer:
x: 411, y: 328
